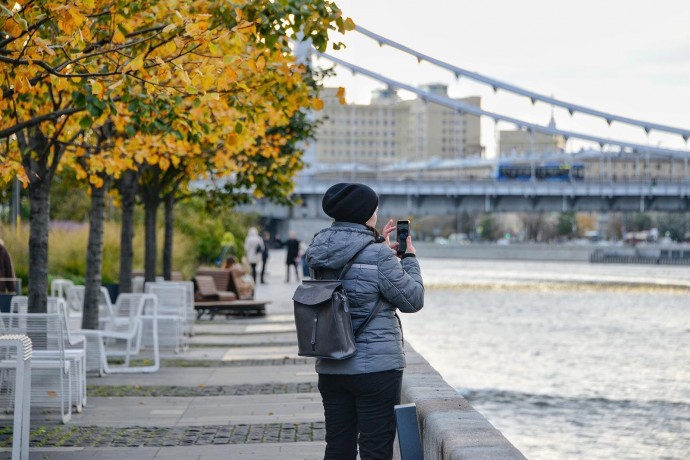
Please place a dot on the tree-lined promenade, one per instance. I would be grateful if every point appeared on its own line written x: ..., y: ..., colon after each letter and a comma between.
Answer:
x: 137, y: 98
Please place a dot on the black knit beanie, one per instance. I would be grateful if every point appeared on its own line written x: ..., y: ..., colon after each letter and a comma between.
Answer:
x: 349, y: 202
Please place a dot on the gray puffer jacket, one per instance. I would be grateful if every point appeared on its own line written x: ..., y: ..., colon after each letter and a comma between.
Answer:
x: 376, y: 273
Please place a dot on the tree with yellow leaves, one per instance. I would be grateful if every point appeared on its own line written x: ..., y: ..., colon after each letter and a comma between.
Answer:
x: 73, y: 66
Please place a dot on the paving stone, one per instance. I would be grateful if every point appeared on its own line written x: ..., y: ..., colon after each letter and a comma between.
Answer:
x: 187, y: 391
x: 94, y: 436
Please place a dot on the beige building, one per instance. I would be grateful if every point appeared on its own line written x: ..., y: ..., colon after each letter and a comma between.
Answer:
x: 389, y: 130
x: 636, y: 167
x: 519, y: 142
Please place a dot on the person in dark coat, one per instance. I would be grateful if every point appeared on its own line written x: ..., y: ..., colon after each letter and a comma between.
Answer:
x: 6, y: 270
x: 292, y: 257
x: 359, y: 393
x: 264, y: 256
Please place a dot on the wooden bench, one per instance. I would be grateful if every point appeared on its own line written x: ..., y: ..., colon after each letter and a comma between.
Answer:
x: 205, y: 289
x: 209, y: 300
x: 225, y: 280
x: 232, y: 307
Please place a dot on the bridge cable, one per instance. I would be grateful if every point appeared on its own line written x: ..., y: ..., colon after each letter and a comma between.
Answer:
x: 497, y: 84
x: 462, y: 107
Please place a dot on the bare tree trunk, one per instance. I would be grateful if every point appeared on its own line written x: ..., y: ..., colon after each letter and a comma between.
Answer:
x: 151, y: 202
x: 40, y: 175
x: 94, y: 257
x: 168, y: 243
x: 39, y: 196
x: 128, y: 191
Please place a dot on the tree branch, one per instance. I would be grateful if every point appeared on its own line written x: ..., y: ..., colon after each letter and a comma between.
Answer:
x: 38, y: 120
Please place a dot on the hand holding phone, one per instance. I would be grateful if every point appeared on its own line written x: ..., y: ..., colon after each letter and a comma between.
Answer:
x: 402, y: 232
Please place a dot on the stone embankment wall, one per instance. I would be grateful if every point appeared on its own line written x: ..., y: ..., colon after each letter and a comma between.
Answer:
x: 449, y: 427
x: 521, y: 251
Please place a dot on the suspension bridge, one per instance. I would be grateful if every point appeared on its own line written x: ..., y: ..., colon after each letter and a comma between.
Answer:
x: 414, y: 193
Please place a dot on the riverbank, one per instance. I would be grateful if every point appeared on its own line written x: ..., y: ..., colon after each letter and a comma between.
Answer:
x: 567, y: 359
x: 240, y: 391
x: 545, y: 252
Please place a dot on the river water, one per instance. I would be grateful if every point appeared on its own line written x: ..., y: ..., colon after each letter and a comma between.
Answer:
x: 567, y: 360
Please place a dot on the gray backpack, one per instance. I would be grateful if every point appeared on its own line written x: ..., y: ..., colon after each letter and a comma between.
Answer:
x: 322, y: 317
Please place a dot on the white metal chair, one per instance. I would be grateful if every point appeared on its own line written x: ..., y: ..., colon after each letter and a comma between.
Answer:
x: 75, y: 350
x: 59, y: 287
x: 19, y: 304
x: 75, y: 346
x: 75, y: 304
x: 121, y: 337
x: 17, y: 346
x: 172, y: 315
x: 50, y: 369
x: 190, y: 312
x: 139, y: 282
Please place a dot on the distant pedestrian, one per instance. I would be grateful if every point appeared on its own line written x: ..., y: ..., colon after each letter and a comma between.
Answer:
x: 303, y: 259
x: 253, y: 249
x: 264, y: 256
x: 240, y: 278
x: 7, y: 277
x: 292, y: 257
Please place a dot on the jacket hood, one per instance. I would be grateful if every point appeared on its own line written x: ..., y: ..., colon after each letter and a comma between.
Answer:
x: 334, y: 246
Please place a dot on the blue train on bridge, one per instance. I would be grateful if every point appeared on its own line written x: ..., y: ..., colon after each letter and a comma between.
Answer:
x: 546, y: 171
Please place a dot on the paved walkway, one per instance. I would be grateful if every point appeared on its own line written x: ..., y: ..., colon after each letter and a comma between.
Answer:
x: 241, y: 391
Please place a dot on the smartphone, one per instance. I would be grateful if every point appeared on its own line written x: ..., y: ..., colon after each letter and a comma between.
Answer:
x: 403, y: 231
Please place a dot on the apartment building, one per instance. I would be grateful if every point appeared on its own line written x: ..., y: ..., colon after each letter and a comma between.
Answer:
x: 390, y: 130
x: 523, y: 142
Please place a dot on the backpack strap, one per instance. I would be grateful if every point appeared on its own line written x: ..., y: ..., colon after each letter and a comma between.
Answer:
x: 348, y: 265
x: 376, y: 308
x: 369, y: 317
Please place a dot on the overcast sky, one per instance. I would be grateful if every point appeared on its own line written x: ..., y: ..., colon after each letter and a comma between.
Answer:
x: 611, y: 55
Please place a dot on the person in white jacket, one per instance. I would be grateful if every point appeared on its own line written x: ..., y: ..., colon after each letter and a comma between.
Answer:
x: 253, y: 249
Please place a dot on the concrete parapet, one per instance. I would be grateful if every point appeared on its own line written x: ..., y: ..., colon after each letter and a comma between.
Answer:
x: 450, y: 428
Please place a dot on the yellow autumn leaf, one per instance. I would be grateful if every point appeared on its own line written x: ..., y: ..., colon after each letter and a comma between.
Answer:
x: 77, y: 17
x: 214, y: 49
x: 140, y: 156
x: 96, y: 181
x: 349, y: 24
x: 21, y: 84
x: 317, y: 104
x: 98, y: 89
x: 59, y: 83
x: 170, y: 48
x: 261, y: 63
x: 135, y: 64
x: 207, y: 81
x: 11, y: 27
x: 119, y: 37
x: 229, y: 75
x: 44, y: 45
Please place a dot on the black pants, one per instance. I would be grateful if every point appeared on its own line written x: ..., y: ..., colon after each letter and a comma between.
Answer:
x: 287, y: 274
x: 263, y: 270
x: 253, y: 272
x: 360, y: 406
